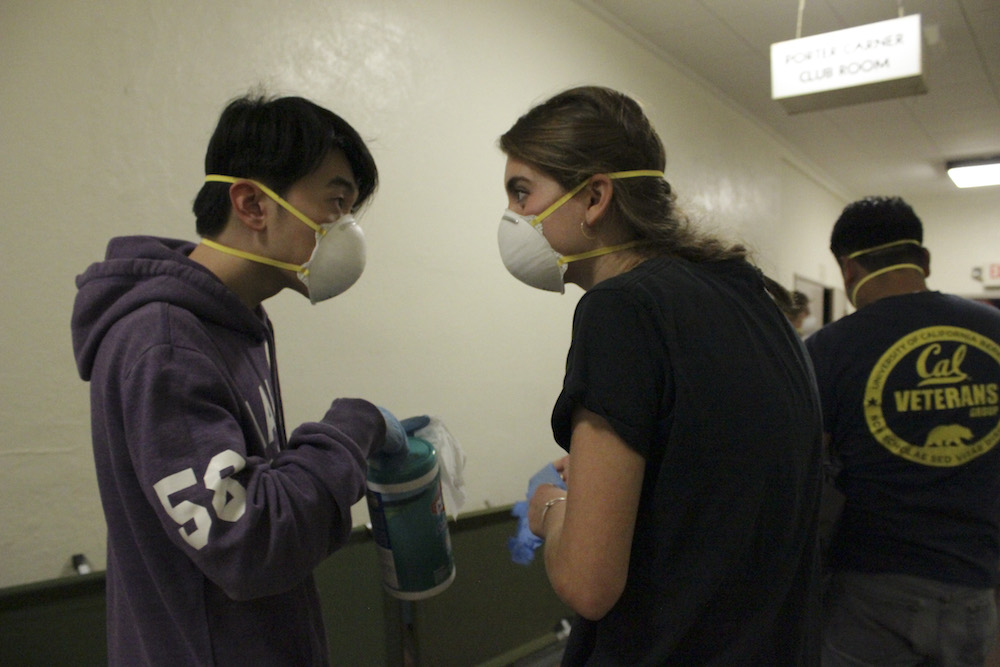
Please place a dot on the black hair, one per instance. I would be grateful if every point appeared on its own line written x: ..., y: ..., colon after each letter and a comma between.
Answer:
x: 875, y: 221
x: 276, y: 141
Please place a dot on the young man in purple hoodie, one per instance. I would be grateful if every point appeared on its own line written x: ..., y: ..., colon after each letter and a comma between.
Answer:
x: 215, y: 518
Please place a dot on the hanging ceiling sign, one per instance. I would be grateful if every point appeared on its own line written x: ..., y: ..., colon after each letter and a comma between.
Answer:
x: 868, y: 63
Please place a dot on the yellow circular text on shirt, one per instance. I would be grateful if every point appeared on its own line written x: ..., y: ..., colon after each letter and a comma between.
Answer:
x: 933, y: 396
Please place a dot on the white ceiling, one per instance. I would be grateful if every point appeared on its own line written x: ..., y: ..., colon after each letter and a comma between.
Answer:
x: 889, y: 147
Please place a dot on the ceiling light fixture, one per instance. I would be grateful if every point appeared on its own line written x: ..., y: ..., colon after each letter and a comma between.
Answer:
x: 975, y: 173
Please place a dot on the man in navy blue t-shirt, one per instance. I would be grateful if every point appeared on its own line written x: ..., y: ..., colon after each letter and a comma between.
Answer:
x: 910, y: 388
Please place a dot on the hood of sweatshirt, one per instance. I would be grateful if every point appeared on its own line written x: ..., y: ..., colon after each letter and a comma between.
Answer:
x: 138, y: 270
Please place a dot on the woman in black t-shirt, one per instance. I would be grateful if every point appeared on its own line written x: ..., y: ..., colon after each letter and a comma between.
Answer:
x: 688, y: 528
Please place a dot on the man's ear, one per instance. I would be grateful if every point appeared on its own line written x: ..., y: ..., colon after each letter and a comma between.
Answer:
x: 598, y: 192
x: 248, y: 204
x: 851, y: 270
x: 925, y: 261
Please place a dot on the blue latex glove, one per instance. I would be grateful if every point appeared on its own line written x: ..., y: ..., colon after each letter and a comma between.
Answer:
x: 413, y: 424
x: 524, y: 544
x: 547, y: 475
x: 395, y: 435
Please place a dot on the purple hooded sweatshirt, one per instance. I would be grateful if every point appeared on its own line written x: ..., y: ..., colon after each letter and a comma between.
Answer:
x: 215, y: 519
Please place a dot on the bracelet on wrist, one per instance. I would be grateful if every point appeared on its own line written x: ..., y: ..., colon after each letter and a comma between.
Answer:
x: 549, y: 505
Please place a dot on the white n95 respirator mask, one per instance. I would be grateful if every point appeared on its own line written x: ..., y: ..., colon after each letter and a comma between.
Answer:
x: 528, y: 255
x: 337, y: 260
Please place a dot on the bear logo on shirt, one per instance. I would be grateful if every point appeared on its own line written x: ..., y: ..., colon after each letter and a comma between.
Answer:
x: 948, y: 435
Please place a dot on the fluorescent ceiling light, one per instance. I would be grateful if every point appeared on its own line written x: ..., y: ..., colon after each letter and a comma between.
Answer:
x: 975, y: 173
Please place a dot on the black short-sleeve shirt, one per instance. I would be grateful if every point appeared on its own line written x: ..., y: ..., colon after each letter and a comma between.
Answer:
x: 910, y: 387
x: 696, y: 369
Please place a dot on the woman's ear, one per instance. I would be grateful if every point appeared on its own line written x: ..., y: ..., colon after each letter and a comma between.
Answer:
x: 248, y: 204
x: 598, y: 193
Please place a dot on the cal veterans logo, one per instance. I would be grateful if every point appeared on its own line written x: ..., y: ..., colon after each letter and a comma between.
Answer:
x: 933, y: 397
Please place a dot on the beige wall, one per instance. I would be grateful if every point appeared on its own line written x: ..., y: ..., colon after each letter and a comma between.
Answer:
x: 105, y: 114
x: 962, y: 232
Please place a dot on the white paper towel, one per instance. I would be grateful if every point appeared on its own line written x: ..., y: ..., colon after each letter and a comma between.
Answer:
x: 451, y: 458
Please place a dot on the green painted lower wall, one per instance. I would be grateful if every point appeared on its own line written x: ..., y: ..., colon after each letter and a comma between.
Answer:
x: 491, y: 612
x: 57, y: 622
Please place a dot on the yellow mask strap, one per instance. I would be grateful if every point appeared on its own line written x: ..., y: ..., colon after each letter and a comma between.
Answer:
x: 218, y: 178
x: 873, y: 274
x: 597, y: 252
x: 255, y: 258
x: 613, y: 176
x: 865, y: 251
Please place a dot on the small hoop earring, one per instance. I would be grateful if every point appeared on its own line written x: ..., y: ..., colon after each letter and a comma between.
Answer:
x: 583, y: 230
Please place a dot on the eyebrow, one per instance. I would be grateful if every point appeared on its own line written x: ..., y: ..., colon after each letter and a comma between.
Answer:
x: 342, y: 182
